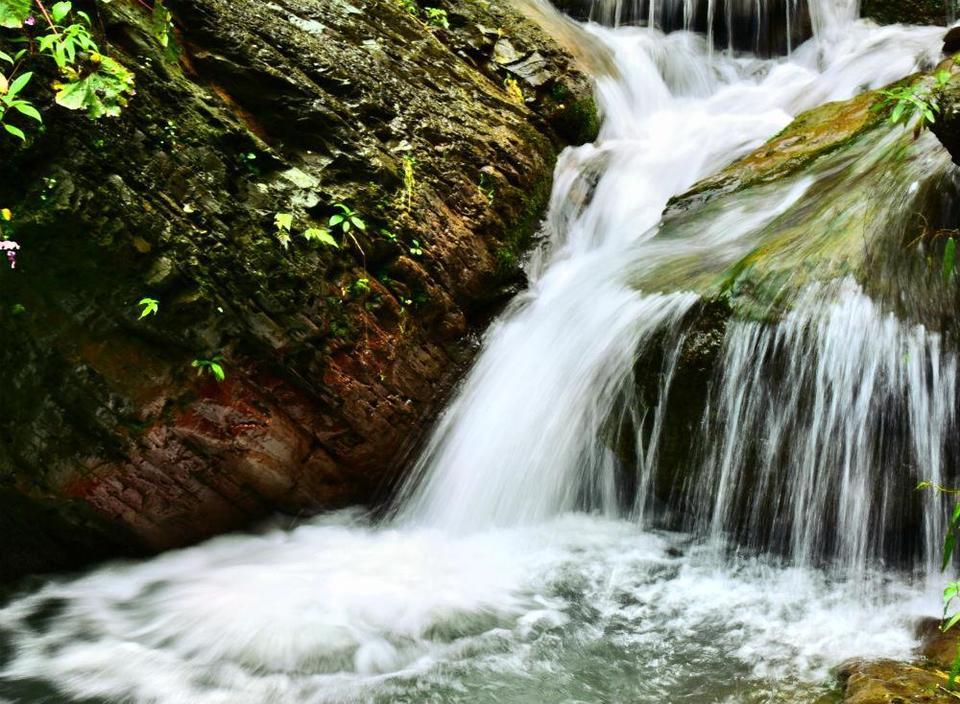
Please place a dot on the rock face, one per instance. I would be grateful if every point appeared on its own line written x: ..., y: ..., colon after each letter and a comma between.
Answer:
x: 924, y: 681
x: 905, y: 11
x: 335, y: 358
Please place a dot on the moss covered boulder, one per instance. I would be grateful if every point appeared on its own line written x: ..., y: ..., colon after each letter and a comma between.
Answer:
x: 840, y: 195
x: 115, y: 434
x: 924, y: 680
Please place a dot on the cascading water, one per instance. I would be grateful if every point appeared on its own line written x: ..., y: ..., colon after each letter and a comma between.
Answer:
x: 519, y: 566
x: 761, y: 26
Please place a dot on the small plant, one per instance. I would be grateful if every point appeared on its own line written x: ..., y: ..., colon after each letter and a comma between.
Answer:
x: 949, y: 259
x: 387, y: 235
x: 9, y: 90
x: 88, y: 80
x: 514, y: 91
x: 346, y: 219
x: 415, y: 248
x: 283, y: 223
x: 951, y: 594
x: 360, y: 287
x: 436, y: 17
x: 410, y: 7
x: 321, y: 235
x: 212, y: 366
x: 10, y: 247
x: 486, y: 189
x: 917, y: 99
x: 149, y: 306
x: 409, y: 180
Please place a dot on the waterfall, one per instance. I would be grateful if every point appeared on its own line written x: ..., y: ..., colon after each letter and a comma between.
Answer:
x: 836, y: 413
x: 659, y: 481
x: 759, y: 26
x: 804, y: 417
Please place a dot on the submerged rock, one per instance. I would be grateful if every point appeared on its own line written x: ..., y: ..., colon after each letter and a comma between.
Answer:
x: 335, y: 358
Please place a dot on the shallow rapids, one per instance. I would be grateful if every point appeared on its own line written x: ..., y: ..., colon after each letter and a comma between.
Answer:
x: 490, y: 584
x: 577, y: 609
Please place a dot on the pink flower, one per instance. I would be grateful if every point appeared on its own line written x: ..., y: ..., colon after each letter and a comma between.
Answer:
x: 10, y: 247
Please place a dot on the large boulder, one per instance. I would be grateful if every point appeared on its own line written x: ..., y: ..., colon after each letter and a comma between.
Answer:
x: 335, y: 359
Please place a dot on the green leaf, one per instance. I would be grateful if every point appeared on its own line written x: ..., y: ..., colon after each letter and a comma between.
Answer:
x: 948, y: 545
x: 15, y: 131
x: 320, y: 235
x: 217, y: 371
x: 358, y: 223
x: 19, y: 83
x: 13, y: 13
x: 336, y: 220
x: 346, y: 226
x: 949, y: 259
x: 283, y: 221
x: 60, y: 10
x: 898, y: 112
x: 150, y: 307
x: 951, y: 622
x: 6, y: 57
x: 103, y: 92
x: 25, y: 108
x: 954, y: 672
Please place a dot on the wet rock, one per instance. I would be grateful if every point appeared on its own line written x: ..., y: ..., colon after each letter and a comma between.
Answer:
x: 336, y: 358
x: 905, y: 11
x: 924, y: 680
x: 951, y: 41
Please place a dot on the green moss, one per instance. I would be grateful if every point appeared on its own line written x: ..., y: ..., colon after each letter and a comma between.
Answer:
x: 579, y: 122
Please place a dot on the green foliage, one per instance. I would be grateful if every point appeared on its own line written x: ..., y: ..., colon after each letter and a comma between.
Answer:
x: 436, y: 17
x: 213, y: 366
x: 102, y: 93
x: 410, y: 7
x: 161, y: 23
x: 949, y: 259
x: 283, y: 223
x: 13, y: 13
x: 951, y: 594
x: 9, y: 100
x: 284, y: 227
x: 409, y: 180
x: 321, y: 235
x: 415, y: 248
x: 360, y: 287
x: 486, y: 189
x: 149, y: 306
x: 88, y: 80
x: 346, y: 219
x: 920, y: 99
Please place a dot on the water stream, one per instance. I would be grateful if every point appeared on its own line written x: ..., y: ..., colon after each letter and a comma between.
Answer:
x: 513, y: 568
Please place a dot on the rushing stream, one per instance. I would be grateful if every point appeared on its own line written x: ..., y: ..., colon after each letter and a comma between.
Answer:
x: 512, y: 569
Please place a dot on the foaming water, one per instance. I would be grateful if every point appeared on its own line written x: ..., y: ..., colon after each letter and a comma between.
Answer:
x: 578, y: 608
x: 486, y: 585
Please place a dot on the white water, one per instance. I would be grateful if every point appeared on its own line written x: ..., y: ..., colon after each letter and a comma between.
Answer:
x: 488, y: 586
